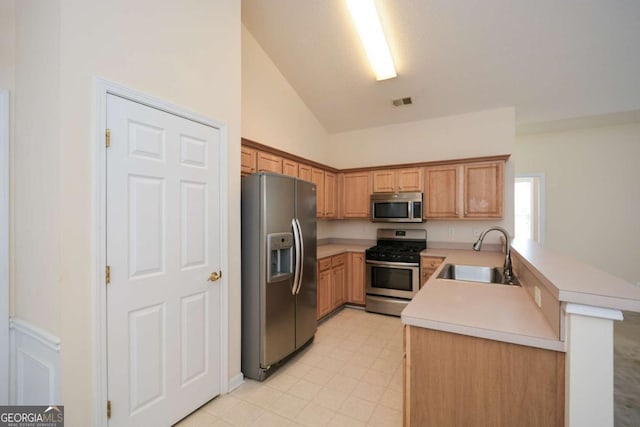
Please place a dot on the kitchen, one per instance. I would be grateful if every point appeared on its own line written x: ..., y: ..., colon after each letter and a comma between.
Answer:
x: 258, y: 103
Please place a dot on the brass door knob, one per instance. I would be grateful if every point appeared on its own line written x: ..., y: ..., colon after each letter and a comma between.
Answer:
x: 214, y: 276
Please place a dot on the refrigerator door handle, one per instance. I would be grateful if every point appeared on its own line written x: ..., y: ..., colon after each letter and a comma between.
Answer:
x: 301, y: 259
x: 298, y: 247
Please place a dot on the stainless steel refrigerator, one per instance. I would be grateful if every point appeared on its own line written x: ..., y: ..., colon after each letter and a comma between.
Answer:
x: 278, y: 270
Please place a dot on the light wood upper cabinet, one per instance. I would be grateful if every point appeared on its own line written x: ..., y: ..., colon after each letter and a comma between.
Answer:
x: 355, y: 195
x: 247, y: 160
x: 330, y: 195
x: 317, y: 177
x: 397, y: 180
x: 326, y: 192
x: 289, y: 167
x: 269, y: 162
x: 384, y: 181
x: 441, y: 198
x: 409, y: 179
x: 304, y: 172
x: 355, y: 281
x: 483, y: 190
x: 468, y: 191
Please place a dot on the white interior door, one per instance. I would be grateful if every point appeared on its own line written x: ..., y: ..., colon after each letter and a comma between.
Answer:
x: 4, y: 247
x: 163, y: 243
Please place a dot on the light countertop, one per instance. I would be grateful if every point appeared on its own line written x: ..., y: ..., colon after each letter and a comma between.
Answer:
x: 576, y: 282
x: 335, y: 249
x: 492, y: 311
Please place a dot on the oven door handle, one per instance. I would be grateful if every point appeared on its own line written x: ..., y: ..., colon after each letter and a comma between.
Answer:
x: 393, y: 264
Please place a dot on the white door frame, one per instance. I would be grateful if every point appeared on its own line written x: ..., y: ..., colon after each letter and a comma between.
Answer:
x: 4, y: 246
x: 102, y: 88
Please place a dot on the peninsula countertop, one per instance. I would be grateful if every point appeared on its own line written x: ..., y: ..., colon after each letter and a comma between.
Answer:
x: 492, y: 311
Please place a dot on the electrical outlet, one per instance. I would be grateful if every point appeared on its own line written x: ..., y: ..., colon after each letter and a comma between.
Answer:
x: 451, y: 231
x: 537, y: 296
x: 476, y: 232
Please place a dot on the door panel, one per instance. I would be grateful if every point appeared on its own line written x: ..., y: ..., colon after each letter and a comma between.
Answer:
x: 163, y: 242
x: 307, y: 298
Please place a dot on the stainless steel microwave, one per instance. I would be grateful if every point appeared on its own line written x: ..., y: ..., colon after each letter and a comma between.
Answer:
x: 396, y: 207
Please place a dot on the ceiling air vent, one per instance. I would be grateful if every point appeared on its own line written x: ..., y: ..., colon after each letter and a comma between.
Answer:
x: 402, y: 101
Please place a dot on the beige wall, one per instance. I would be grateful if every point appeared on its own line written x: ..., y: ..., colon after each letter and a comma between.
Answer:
x: 7, y: 43
x: 272, y: 112
x: 469, y: 135
x: 187, y: 53
x: 592, y: 193
x: 7, y: 82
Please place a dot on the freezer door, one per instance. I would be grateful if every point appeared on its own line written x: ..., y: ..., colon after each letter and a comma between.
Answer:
x: 306, y: 298
x: 278, y: 303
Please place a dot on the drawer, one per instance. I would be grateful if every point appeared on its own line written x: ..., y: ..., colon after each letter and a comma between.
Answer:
x: 324, y: 264
x: 338, y: 260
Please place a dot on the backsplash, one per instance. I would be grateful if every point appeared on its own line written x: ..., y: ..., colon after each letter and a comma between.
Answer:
x: 437, y: 231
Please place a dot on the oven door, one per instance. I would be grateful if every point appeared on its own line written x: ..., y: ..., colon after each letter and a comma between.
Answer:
x: 392, y: 279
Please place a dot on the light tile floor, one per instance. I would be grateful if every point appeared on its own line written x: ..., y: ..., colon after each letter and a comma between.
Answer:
x: 351, y: 375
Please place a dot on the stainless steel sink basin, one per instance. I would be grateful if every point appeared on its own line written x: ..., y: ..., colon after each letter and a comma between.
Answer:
x: 474, y: 273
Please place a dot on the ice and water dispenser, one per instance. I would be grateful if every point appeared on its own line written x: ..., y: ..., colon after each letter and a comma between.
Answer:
x: 280, y: 256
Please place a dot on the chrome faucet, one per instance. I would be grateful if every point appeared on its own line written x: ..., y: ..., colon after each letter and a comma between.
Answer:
x: 508, y: 270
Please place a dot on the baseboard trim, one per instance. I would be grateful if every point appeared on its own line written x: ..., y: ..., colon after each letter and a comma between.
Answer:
x: 35, y: 365
x: 235, y: 382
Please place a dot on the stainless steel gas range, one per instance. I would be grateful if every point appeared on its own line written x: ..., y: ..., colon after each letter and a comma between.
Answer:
x: 393, y: 269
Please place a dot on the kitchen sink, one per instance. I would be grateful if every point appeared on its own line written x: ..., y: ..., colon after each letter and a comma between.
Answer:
x: 475, y: 273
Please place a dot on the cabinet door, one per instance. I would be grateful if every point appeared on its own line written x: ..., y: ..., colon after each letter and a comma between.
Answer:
x: 289, y: 167
x: 384, y: 181
x: 483, y: 188
x: 317, y: 177
x: 356, y: 193
x: 409, y: 179
x: 338, y: 279
x: 441, y: 198
x: 355, y: 284
x: 325, y: 298
x: 269, y: 163
x: 330, y: 195
x: 247, y: 160
x: 304, y: 172
x: 428, y: 266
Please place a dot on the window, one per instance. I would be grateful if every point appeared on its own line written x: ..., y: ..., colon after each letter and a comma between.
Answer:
x: 529, y: 207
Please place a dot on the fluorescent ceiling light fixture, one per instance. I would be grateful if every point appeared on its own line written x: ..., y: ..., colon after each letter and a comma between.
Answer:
x: 365, y: 17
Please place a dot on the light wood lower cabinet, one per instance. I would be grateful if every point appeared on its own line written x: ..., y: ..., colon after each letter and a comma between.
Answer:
x: 457, y: 380
x: 340, y: 281
x: 428, y: 266
x: 331, y: 283
x: 356, y: 275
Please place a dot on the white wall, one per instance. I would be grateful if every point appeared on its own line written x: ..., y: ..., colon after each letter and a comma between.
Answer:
x: 483, y: 133
x: 592, y: 193
x: 272, y: 112
x: 187, y: 53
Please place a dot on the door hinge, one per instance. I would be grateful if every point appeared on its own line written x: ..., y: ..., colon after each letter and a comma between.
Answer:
x: 107, y: 274
x: 107, y: 138
x: 108, y: 409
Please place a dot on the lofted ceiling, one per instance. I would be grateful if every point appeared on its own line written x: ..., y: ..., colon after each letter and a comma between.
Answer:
x: 551, y: 59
